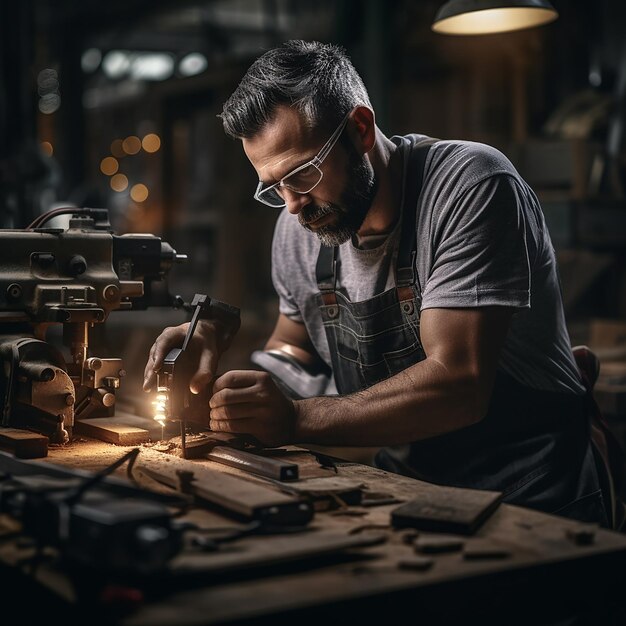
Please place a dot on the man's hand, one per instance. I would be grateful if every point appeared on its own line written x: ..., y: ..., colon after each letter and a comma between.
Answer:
x: 248, y: 402
x: 203, y: 349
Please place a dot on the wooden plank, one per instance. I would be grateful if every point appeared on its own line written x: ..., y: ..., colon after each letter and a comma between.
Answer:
x: 447, y: 510
x: 24, y: 444
x: 147, y: 423
x: 329, y: 490
x: 112, y: 430
x: 273, y: 550
x: 250, y: 500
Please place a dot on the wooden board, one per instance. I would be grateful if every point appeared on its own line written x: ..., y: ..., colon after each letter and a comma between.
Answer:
x: 447, y: 510
x: 330, y: 489
x: 273, y: 550
x: 24, y: 444
x: 231, y: 493
x: 120, y: 430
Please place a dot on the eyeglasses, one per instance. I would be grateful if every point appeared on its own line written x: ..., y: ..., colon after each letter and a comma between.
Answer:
x: 304, y: 178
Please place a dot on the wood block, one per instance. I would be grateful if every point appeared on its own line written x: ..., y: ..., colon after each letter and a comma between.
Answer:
x: 447, y: 509
x: 147, y: 423
x: 273, y: 550
x: 582, y: 535
x: 112, y: 430
x: 437, y: 544
x: 416, y: 563
x: 329, y: 490
x: 484, y: 549
x: 24, y: 444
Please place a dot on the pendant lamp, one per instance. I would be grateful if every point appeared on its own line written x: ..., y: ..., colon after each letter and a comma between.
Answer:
x: 482, y: 17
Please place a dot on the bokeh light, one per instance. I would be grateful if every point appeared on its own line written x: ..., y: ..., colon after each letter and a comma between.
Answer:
x: 47, y: 148
x: 139, y: 192
x: 194, y: 63
x: 90, y: 60
x: 151, y: 142
x: 131, y: 145
x: 117, y: 149
x: 49, y: 103
x: 109, y: 165
x: 119, y: 182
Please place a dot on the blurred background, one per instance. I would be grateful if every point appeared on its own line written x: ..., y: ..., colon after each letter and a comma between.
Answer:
x: 113, y: 104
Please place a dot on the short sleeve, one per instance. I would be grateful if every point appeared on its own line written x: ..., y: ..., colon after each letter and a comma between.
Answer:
x: 286, y: 302
x: 479, y: 249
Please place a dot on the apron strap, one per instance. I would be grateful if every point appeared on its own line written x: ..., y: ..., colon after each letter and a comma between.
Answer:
x: 406, y: 275
x: 326, y: 273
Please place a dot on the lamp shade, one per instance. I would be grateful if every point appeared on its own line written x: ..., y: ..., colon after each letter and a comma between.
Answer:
x: 482, y: 17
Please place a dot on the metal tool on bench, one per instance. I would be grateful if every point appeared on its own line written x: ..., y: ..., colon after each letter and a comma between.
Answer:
x: 74, y: 277
x: 254, y: 463
x: 174, y: 400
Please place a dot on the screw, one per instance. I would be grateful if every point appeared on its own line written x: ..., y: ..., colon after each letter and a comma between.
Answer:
x: 14, y: 291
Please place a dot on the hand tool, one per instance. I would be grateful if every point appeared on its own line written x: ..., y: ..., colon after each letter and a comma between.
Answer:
x: 174, y: 399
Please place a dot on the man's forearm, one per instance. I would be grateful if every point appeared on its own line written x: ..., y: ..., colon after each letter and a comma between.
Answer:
x: 425, y: 400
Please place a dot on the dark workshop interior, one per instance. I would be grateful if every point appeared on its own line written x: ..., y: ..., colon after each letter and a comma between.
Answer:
x: 114, y: 105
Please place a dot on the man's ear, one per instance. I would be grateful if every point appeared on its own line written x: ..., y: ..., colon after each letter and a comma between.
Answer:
x: 362, y: 129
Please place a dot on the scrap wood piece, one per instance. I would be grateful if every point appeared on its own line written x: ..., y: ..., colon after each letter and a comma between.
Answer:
x: 122, y: 431
x: 447, y: 509
x: 378, y: 498
x: 272, y: 551
x: 231, y: 493
x: 199, y: 444
x: 484, y: 549
x: 437, y: 544
x: 24, y: 444
x: 329, y: 489
x: 582, y: 534
x: 416, y: 563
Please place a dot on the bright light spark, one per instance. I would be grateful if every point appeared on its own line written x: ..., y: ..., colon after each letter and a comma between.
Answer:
x: 160, y: 407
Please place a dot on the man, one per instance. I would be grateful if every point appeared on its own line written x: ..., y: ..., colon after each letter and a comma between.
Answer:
x: 422, y: 274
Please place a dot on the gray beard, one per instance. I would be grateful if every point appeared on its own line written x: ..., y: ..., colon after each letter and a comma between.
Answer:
x: 356, y: 201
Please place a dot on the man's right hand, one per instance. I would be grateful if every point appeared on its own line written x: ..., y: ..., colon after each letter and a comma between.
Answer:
x: 202, y: 347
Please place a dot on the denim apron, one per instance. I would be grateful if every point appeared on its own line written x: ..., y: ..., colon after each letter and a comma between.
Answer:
x: 533, y: 445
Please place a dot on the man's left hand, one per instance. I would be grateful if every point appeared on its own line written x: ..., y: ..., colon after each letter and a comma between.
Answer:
x: 249, y: 402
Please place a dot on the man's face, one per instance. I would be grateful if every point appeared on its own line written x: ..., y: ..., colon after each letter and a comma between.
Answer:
x: 339, y: 221
x: 336, y: 208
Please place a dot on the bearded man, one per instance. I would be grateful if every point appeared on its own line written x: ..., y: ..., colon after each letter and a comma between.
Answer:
x: 420, y: 276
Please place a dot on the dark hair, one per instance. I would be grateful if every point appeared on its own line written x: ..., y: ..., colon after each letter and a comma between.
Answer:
x: 317, y: 79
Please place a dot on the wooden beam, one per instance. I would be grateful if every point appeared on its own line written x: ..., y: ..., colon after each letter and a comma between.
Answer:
x: 112, y: 430
x: 24, y: 444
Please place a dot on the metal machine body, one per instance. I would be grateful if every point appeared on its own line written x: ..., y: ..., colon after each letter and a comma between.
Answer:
x: 74, y: 277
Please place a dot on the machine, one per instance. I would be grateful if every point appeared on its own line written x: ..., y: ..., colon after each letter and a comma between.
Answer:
x: 72, y: 277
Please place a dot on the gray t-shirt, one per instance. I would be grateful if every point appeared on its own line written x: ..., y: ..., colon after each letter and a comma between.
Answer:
x: 481, y: 241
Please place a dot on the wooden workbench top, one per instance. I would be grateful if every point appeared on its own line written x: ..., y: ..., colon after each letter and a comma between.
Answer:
x: 534, y: 555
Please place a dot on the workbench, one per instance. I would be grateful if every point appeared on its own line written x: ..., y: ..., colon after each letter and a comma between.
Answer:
x: 540, y: 575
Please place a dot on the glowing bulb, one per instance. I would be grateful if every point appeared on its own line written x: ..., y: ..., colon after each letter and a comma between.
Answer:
x: 160, y: 406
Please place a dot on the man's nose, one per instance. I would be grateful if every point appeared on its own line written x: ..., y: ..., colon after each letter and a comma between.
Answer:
x: 295, y: 201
